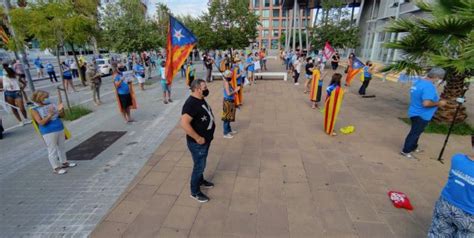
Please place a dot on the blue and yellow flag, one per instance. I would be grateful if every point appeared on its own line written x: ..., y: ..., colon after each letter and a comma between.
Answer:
x: 354, y: 69
x: 181, y: 42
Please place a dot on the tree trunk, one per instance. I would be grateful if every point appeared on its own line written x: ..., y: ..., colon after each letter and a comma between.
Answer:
x: 59, y: 63
x: 452, y: 90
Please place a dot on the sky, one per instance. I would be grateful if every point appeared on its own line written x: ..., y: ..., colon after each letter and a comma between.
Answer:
x: 180, y: 7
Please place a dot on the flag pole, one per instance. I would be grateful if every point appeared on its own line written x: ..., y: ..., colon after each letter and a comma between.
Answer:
x: 440, y: 157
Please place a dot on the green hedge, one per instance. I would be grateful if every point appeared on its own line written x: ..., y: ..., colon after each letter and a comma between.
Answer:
x: 76, y: 112
x: 458, y: 129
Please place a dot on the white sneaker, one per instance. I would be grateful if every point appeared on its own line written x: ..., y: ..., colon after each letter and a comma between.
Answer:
x: 228, y: 136
x: 297, y: 84
x: 60, y: 171
x: 21, y: 123
x: 233, y: 132
x: 407, y: 155
x: 27, y: 121
x: 419, y: 151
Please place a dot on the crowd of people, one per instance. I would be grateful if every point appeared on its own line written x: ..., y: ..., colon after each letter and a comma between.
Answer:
x: 453, y: 213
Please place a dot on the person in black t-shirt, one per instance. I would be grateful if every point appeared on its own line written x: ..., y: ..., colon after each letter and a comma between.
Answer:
x: 309, y: 73
x: 208, y: 61
x: 335, y: 61
x: 197, y: 120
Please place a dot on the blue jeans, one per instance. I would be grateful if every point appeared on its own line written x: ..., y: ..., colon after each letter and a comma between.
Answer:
x: 227, y: 128
x: 199, y: 154
x: 417, y: 127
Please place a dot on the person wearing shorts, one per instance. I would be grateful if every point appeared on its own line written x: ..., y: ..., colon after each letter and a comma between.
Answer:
x: 67, y: 77
x: 123, y: 86
x: 250, y: 68
x: 165, y: 85
x: 139, y: 72
x: 13, y: 95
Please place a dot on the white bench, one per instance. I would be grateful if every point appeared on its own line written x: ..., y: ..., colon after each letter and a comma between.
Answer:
x: 218, y: 75
x: 283, y: 75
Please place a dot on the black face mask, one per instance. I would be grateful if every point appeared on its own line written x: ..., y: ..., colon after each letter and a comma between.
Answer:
x: 205, y: 92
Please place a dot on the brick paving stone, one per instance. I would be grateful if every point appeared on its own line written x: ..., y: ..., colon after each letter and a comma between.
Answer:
x: 281, y: 176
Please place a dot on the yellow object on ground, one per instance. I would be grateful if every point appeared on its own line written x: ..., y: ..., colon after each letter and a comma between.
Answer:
x: 347, y: 130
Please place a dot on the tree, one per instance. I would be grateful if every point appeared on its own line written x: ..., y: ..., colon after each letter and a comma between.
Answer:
x: 445, y: 40
x: 334, y: 27
x: 339, y: 34
x: 228, y: 24
x: 56, y: 23
x: 126, y: 28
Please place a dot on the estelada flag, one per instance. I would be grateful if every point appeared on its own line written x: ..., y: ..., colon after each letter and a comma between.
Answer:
x: 4, y: 36
x: 180, y: 43
x: 328, y: 51
x: 354, y: 69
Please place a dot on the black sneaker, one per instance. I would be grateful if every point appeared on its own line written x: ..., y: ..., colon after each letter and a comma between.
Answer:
x: 207, y: 184
x: 200, y: 197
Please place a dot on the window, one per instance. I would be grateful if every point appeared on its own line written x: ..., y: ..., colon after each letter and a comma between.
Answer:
x: 275, y: 44
x: 284, y: 13
x: 266, y: 13
x: 265, y: 33
x: 276, y: 2
x: 275, y: 33
x: 276, y: 23
x: 283, y: 23
x: 265, y: 43
x: 276, y: 13
x: 266, y: 23
x: 257, y: 12
x: 256, y: 3
x: 267, y: 3
x: 306, y: 12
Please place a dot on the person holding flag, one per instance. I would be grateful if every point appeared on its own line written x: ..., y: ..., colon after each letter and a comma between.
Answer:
x: 369, y: 69
x: 124, y: 92
x: 190, y: 73
x: 316, y: 86
x: 354, y: 68
x: 230, y: 95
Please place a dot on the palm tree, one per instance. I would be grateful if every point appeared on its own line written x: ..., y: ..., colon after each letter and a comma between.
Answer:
x: 445, y: 40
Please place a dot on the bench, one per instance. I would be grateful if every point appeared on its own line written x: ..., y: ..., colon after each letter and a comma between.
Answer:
x: 217, y: 75
x: 283, y: 75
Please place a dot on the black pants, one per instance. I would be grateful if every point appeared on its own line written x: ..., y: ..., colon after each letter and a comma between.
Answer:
x: 418, y: 125
x: 51, y: 76
x: 297, y: 75
x: 364, y: 86
x: 334, y: 65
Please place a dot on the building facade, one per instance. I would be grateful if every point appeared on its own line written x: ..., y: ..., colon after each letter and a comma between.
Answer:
x: 375, y: 16
x: 273, y: 22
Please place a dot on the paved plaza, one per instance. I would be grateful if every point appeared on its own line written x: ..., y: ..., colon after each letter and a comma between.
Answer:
x: 282, y: 176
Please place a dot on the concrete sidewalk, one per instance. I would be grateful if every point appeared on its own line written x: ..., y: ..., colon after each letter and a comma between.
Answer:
x: 281, y: 176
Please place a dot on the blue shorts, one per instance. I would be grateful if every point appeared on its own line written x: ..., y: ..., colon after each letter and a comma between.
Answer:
x: 13, y: 94
x: 165, y: 86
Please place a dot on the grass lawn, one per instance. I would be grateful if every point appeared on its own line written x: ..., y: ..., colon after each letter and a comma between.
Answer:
x: 458, y: 129
x: 76, y: 112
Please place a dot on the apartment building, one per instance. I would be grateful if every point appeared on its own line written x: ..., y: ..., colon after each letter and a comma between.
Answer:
x: 273, y: 21
x: 375, y: 17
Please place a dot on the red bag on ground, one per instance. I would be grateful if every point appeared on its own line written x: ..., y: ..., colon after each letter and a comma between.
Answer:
x: 400, y: 200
